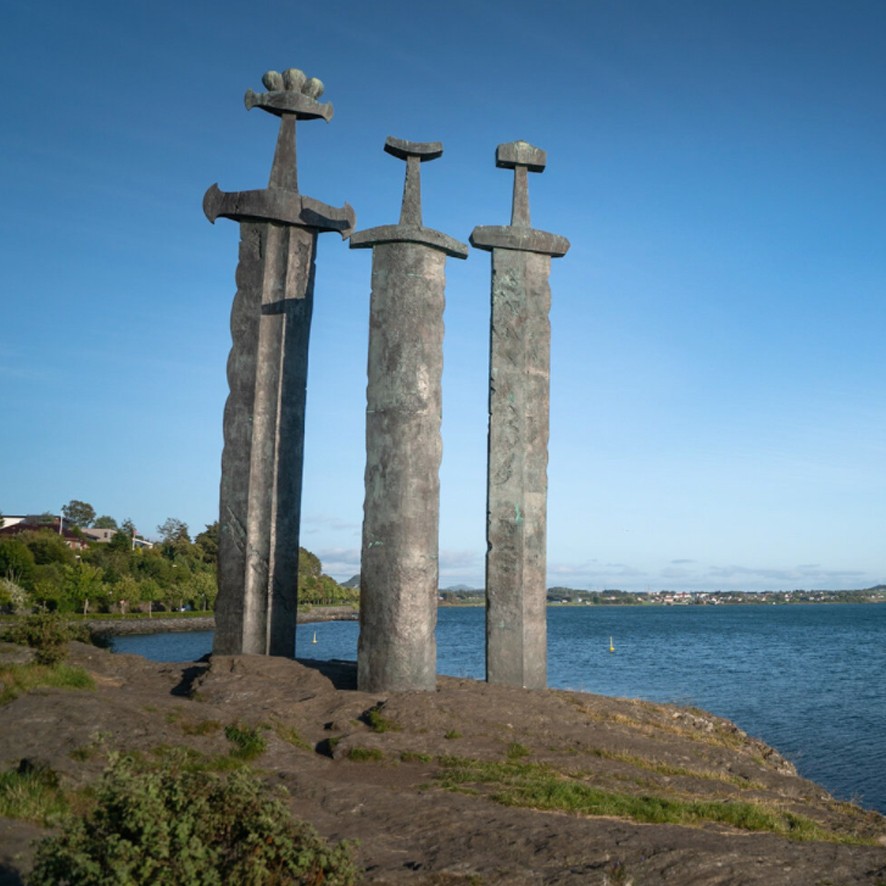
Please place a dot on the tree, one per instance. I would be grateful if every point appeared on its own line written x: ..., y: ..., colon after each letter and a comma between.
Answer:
x: 49, y: 586
x: 120, y: 541
x: 317, y: 588
x: 173, y: 530
x: 125, y: 592
x: 309, y: 567
x: 13, y: 598
x: 83, y: 584
x: 79, y: 513
x: 149, y: 592
x: 175, y: 540
x: 105, y: 522
x: 16, y: 562
x: 47, y: 546
x: 202, y: 589
x: 207, y: 541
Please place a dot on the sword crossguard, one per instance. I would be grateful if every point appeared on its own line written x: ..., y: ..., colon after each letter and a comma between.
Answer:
x: 519, y: 235
x: 522, y: 158
x: 291, y: 96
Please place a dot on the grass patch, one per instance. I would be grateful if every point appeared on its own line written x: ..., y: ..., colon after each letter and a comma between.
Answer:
x: 537, y: 786
x: 365, y: 755
x: 516, y: 751
x: 452, y: 733
x: 97, y: 745
x: 186, y: 759
x: 201, y: 727
x: 32, y: 793
x: 660, y: 768
x: 248, y: 741
x: 413, y: 757
x: 291, y: 736
x: 16, y: 679
x: 377, y: 722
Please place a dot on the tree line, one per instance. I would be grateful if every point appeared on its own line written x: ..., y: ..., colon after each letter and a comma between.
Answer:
x: 39, y: 571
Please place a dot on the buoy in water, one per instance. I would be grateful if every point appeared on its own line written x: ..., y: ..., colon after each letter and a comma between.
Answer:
x: 611, y: 647
x: 314, y: 640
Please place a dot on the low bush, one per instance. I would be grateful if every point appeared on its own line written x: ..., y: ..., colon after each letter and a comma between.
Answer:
x: 46, y: 633
x: 174, y: 827
x: 247, y: 740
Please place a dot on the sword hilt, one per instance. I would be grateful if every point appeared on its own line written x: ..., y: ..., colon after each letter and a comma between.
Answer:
x: 522, y: 158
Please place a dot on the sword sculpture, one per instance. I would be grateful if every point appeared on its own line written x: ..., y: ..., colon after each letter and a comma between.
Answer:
x: 519, y: 405
x: 399, y: 570
x: 261, y: 476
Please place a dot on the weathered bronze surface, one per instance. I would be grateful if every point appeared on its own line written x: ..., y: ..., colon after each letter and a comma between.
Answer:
x: 261, y: 482
x: 399, y: 572
x: 519, y: 405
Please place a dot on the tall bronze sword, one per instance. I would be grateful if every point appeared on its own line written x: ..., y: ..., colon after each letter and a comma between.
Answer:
x: 399, y: 569
x: 519, y: 400
x: 264, y: 420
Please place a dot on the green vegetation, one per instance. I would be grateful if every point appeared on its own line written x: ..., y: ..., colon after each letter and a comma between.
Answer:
x: 365, y: 755
x: 538, y: 786
x: 315, y: 588
x: 16, y: 679
x: 291, y: 736
x: 201, y: 727
x: 248, y: 741
x: 40, y: 570
x: 413, y: 757
x: 32, y: 793
x: 377, y: 722
x: 47, y: 634
x: 181, y: 826
x: 516, y: 751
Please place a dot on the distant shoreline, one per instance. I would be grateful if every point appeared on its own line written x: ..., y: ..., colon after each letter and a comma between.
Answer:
x: 163, y: 624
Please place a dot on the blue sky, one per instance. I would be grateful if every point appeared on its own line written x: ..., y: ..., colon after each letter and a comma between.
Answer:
x: 718, y: 417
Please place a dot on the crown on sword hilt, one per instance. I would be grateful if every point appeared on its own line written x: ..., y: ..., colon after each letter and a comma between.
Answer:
x: 291, y: 92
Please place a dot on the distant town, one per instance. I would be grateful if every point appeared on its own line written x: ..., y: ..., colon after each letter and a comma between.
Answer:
x: 572, y: 597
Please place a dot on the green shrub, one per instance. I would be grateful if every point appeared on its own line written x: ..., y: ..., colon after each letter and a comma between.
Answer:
x: 247, y: 740
x: 189, y: 827
x: 47, y: 634
x: 13, y: 597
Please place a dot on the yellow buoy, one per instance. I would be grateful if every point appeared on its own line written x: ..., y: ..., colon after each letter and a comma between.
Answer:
x: 611, y: 647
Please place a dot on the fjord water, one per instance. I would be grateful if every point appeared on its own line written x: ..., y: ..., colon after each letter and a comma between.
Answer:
x: 810, y: 680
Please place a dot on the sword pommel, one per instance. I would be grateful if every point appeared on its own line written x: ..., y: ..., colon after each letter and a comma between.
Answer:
x: 520, y: 153
x: 290, y: 93
x: 400, y: 147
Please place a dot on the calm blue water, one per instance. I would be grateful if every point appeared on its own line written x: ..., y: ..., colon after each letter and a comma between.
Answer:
x: 808, y: 680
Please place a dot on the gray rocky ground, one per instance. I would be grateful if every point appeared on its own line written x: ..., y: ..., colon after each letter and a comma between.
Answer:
x: 383, y: 788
